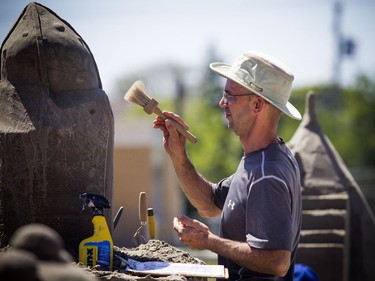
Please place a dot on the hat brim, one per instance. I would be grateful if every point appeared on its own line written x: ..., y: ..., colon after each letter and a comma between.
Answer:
x: 224, y: 70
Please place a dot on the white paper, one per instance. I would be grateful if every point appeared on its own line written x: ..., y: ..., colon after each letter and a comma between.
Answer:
x: 186, y: 269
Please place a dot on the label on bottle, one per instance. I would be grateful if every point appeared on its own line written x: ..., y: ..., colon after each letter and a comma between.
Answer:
x: 97, y: 253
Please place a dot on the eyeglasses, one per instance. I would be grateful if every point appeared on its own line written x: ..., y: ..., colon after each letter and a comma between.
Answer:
x: 227, y: 97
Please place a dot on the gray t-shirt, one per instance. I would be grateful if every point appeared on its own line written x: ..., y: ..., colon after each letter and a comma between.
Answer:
x: 261, y: 204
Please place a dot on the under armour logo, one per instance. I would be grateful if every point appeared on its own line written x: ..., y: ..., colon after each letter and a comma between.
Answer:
x: 231, y: 204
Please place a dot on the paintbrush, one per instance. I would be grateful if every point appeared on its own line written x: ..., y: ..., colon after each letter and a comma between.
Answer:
x: 137, y: 95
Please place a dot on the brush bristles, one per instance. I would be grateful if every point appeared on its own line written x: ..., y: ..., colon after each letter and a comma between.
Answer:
x: 137, y: 94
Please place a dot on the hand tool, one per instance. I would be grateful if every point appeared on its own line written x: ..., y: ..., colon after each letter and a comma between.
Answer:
x: 138, y: 238
x: 137, y: 95
x: 151, y: 223
x: 117, y: 217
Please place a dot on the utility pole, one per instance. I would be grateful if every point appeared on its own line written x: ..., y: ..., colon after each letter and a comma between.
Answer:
x: 337, y: 12
x: 344, y: 47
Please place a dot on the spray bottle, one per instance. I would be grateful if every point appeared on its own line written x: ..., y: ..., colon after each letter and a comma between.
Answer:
x: 97, y: 249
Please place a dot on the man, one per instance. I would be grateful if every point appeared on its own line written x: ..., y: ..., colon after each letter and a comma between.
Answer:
x: 260, y: 204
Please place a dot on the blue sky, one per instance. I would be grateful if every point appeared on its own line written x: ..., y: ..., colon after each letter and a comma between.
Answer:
x: 127, y: 36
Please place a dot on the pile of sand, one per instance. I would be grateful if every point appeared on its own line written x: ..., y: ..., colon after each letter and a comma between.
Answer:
x: 43, y: 253
x: 154, y: 250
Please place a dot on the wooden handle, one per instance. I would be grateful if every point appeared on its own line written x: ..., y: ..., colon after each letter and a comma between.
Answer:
x: 179, y: 128
x: 151, y: 223
x: 142, y: 208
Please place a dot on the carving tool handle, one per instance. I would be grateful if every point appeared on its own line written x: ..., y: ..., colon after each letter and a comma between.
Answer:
x: 142, y: 208
x: 151, y: 223
x: 117, y: 217
x: 179, y: 128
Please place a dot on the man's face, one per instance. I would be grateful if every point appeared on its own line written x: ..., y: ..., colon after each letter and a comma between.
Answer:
x: 236, y: 102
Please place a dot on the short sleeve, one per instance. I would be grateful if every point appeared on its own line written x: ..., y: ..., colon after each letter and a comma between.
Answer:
x: 220, y: 191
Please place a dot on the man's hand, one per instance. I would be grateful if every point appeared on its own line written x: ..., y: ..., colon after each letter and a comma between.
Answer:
x: 174, y: 143
x: 193, y: 233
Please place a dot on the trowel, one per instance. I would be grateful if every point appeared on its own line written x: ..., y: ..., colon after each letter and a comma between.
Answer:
x: 138, y: 238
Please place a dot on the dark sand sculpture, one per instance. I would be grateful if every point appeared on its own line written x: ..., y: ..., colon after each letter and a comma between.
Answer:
x: 56, y: 142
x: 56, y: 128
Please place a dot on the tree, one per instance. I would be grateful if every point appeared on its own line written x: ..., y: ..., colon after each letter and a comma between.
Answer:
x: 346, y: 117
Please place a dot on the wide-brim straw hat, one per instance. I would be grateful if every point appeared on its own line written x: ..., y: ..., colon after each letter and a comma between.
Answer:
x: 263, y: 75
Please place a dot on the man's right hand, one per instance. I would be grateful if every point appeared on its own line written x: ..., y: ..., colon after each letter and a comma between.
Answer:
x: 174, y: 143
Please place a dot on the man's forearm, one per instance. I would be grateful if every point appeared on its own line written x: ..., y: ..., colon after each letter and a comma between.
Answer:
x: 275, y: 262
x: 197, y: 189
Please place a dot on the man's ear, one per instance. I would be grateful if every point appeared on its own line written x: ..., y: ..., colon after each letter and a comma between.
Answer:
x: 258, y: 104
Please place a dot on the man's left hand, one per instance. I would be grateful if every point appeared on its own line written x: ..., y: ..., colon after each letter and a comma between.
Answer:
x: 191, y: 232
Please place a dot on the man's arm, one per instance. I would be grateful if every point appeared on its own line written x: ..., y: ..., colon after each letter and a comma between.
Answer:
x: 196, y: 188
x: 275, y: 262
x: 197, y: 235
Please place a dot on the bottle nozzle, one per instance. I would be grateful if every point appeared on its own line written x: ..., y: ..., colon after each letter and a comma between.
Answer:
x: 95, y: 201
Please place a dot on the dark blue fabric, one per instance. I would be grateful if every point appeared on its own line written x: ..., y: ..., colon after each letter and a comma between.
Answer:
x: 303, y: 272
x: 261, y: 205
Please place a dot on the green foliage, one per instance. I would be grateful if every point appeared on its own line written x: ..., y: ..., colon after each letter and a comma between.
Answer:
x: 218, y: 151
x: 357, y: 141
x: 287, y: 125
x: 346, y: 116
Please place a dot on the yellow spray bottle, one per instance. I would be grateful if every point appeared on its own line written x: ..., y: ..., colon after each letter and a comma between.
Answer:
x: 97, y: 249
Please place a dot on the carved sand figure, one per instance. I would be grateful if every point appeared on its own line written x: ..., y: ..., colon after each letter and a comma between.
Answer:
x: 56, y: 128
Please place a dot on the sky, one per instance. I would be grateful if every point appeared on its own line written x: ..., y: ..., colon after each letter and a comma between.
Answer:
x: 129, y: 36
